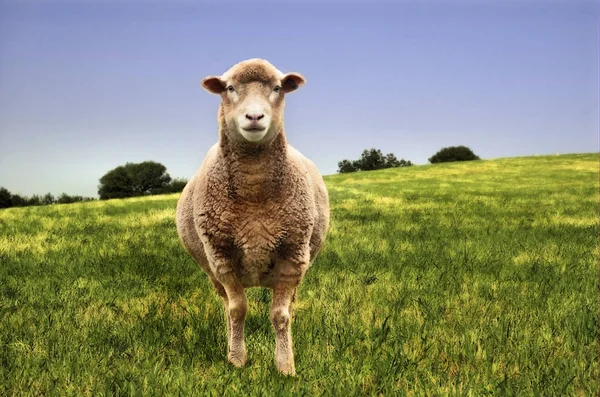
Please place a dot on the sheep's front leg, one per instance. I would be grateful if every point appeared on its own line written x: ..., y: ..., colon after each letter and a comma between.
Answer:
x: 236, y: 305
x: 283, y: 296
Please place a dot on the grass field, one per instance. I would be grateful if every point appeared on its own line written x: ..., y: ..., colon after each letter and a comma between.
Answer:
x: 469, y: 278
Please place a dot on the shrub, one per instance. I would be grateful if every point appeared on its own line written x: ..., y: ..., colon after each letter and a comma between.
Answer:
x: 453, y: 153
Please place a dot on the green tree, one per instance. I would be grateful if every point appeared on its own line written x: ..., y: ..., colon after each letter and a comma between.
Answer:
x: 18, y: 201
x: 64, y: 198
x: 177, y: 185
x: 34, y: 200
x: 453, y: 153
x: 347, y: 166
x: 390, y: 161
x: 116, y: 183
x: 48, y: 199
x: 147, y: 176
x: 134, y: 179
x: 372, y: 159
x: 5, y: 198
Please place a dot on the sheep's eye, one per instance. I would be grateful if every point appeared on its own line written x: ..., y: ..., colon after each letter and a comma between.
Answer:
x: 230, y: 88
x: 276, y: 89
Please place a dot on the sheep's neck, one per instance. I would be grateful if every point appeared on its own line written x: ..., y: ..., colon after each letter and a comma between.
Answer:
x: 255, y: 173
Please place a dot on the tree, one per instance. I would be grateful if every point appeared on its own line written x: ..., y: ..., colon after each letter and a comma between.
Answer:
x: 133, y: 179
x: 453, y: 153
x: 372, y: 159
x: 48, y: 199
x: 34, y: 200
x: 18, y: 200
x: 177, y: 185
x: 5, y: 198
x: 116, y: 183
x: 347, y: 166
x: 391, y: 161
x: 147, y: 176
x: 64, y: 198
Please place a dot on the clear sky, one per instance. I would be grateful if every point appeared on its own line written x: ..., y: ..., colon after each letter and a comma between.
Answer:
x: 88, y: 85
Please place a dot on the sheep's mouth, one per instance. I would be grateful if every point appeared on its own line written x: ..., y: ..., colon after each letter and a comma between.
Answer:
x: 254, y: 129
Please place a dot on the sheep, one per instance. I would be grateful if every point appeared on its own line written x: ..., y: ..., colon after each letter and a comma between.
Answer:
x: 256, y: 213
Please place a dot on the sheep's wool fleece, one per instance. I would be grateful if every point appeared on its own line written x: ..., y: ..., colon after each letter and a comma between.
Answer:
x: 259, y: 211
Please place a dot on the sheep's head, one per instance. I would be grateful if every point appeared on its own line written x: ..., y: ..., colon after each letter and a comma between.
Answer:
x: 252, y: 94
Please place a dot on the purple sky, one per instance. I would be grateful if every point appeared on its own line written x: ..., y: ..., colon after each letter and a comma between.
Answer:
x: 87, y: 85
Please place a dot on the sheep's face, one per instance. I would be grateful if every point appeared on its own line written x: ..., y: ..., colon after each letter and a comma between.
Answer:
x: 252, y: 94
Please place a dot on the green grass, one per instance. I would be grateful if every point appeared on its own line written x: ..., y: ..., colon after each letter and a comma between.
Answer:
x: 453, y: 279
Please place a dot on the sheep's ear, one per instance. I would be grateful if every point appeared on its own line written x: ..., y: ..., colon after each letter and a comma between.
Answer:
x: 213, y: 84
x: 292, y: 81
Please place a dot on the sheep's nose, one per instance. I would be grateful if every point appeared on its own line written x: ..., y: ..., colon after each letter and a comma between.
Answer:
x: 254, y: 116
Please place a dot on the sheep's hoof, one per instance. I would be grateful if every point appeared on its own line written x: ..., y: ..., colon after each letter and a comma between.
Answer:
x: 287, y: 370
x: 236, y: 359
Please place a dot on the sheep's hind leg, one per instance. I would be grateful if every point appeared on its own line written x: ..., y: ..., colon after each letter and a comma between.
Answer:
x: 283, y: 296
x: 223, y: 295
x: 236, y: 315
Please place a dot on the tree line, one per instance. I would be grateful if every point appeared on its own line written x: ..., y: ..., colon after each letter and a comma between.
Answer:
x: 374, y: 159
x: 8, y: 199
x: 129, y: 180
x: 150, y: 177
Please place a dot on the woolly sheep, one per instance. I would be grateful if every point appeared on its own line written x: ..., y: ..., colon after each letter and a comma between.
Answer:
x: 256, y: 213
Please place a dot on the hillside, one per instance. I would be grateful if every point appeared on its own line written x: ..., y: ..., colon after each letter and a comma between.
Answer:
x: 479, y: 276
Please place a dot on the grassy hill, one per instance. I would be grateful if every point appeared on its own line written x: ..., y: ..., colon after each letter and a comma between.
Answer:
x: 476, y: 277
